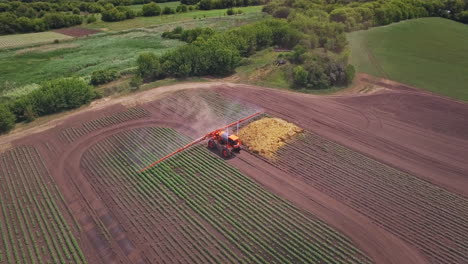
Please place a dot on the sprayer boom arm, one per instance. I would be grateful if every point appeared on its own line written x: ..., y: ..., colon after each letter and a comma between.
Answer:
x: 199, y: 140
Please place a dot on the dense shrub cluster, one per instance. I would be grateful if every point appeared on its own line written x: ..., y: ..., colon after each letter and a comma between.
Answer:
x: 118, y: 14
x: 188, y: 35
x: 232, y: 11
x: 52, y: 97
x: 321, y: 71
x: 7, y: 119
x: 220, y: 4
x: 218, y: 54
x: 103, y: 76
x: 11, y: 23
x: 151, y: 9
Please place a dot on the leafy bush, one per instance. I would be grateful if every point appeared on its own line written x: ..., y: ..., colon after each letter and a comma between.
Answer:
x: 103, y: 76
x: 350, y: 72
x: 113, y: 14
x: 463, y: 17
x: 7, y: 119
x: 151, y: 9
x: 189, y: 35
x: 52, y: 97
x: 230, y: 12
x: 300, y: 76
x: 148, y: 65
x: 282, y: 12
x: 181, y: 8
x: 323, y: 70
x: 58, y: 20
x: 118, y: 14
x: 91, y: 19
x: 167, y: 10
x: 189, y: 2
x: 136, y: 81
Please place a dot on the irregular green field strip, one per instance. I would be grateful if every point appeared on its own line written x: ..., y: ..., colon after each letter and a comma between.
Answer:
x: 12, y: 41
x: 35, y: 230
x: 115, y: 51
x: 265, y: 228
x: 141, y: 22
x: 429, y: 53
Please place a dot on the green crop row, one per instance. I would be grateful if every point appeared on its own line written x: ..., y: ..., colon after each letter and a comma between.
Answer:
x: 253, y: 225
x: 395, y: 200
x: 31, y: 214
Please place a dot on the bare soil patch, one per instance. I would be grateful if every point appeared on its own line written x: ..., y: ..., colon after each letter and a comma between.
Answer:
x: 77, y: 31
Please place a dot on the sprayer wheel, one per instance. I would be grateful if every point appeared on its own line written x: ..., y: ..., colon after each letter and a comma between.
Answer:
x: 211, y: 144
x: 226, y: 153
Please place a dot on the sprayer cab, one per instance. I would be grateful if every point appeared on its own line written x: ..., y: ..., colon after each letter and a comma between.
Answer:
x: 223, y: 142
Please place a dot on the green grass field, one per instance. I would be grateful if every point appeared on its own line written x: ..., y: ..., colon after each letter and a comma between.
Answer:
x: 261, y: 70
x: 115, y: 51
x: 140, y: 22
x: 429, y: 53
x: 9, y: 41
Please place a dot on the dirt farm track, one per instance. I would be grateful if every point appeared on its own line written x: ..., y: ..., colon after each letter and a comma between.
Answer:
x: 387, y: 169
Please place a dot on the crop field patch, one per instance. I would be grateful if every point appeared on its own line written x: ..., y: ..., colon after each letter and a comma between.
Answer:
x: 13, y: 41
x: 32, y: 227
x: 71, y: 134
x: 428, y: 53
x: 423, y: 214
x: 196, y: 209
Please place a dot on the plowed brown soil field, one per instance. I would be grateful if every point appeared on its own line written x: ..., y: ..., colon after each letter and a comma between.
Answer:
x: 77, y: 31
x: 379, y: 177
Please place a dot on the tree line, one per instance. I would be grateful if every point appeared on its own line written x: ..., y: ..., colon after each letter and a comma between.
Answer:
x: 37, y: 16
x: 357, y: 15
x: 217, y: 53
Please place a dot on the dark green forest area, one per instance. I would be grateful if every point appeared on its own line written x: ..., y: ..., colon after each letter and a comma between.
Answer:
x: 37, y: 16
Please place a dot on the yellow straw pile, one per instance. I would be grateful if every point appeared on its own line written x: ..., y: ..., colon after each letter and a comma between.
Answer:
x: 267, y: 135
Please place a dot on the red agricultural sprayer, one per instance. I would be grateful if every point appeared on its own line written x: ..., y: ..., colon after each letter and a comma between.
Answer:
x: 218, y: 139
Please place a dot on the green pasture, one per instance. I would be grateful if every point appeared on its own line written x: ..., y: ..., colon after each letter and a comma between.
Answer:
x: 429, y: 53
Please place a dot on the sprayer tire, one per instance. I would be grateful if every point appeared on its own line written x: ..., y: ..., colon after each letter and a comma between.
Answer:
x: 211, y: 144
x: 226, y: 153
